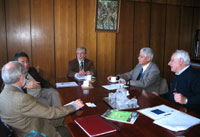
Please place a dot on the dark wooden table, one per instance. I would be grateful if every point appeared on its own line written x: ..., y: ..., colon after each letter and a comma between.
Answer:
x: 143, y: 127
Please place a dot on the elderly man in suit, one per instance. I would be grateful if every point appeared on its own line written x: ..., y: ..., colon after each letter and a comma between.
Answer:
x: 185, y: 87
x: 145, y: 75
x: 22, y: 112
x: 81, y: 65
x: 35, y: 85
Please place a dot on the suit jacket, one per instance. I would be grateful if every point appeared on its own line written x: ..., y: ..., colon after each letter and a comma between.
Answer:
x: 44, y: 83
x: 73, y: 67
x: 188, y: 84
x: 150, y: 80
x: 23, y: 113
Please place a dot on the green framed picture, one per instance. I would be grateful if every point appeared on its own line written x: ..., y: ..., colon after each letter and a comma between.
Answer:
x: 107, y: 15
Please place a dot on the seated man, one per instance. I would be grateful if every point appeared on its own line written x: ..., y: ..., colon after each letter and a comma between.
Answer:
x: 145, y: 75
x: 185, y: 87
x: 23, y: 112
x: 80, y: 66
x: 36, y: 85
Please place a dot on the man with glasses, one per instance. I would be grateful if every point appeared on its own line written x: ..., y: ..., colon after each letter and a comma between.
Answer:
x: 35, y: 85
x: 81, y: 65
x: 24, y: 113
x: 145, y: 75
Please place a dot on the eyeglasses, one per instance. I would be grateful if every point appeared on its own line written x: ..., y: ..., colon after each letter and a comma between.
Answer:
x: 139, y: 56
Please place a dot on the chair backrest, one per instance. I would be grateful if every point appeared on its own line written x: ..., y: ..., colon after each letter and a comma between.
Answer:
x: 1, y: 82
x: 163, y: 86
x: 5, y: 130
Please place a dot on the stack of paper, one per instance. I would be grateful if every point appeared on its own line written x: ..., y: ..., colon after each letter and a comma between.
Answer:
x: 170, y: 118
x: 80, y: 77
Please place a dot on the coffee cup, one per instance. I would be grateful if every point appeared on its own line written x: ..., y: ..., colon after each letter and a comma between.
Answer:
x: 86, y: 83
x: 113, y: 79
x: 89, y: 77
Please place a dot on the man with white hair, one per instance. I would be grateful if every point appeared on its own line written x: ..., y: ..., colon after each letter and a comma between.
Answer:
x: 145, y: 75
x: 185, y: 87
x: 24, y: 113
x: 80, y: 66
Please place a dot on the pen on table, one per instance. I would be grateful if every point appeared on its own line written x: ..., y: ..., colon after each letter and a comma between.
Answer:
x: 167, y: 114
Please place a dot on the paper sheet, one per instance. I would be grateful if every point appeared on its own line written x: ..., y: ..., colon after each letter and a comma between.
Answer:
x: 66, y: 84
x: 80, y: 77
x: 177, y: 121
x: 112, y: 86
x: 157, y: 112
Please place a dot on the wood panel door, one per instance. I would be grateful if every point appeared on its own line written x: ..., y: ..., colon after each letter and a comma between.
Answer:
x: 42, y: 31
x: 86, y: 35
x: 157, y: 36
x: 186, y: 29
x: 18, y: 27
x: 196, y: 25
x: 65, y: 35
x: 105, y: 55
x: 124, y: 48
x: 141, y: 28
x: 171, y: 38
x: 3, y: 49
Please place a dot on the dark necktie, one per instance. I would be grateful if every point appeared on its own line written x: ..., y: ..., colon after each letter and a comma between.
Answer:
x: 140, y: 74
x: 81, y: 67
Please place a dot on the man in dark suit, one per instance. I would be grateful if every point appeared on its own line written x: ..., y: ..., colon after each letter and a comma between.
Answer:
x: 185, y: 87
x: 81, y: 65
x: 36, y: 85
x: 23, y: 112
x: 145, y: 75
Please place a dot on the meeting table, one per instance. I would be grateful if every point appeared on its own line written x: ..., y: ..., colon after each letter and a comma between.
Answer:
x: 143, y: 126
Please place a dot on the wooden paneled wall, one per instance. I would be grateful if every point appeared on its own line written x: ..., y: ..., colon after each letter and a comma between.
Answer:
x: 49, y: 31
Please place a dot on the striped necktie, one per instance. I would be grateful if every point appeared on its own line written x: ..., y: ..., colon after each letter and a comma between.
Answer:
x: 81, y: 67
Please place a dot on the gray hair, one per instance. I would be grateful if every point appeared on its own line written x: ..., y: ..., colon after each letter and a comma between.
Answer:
x: 82, y: 48
x: 12, y: 71
x: 182, y: 54
x: 148, y: 52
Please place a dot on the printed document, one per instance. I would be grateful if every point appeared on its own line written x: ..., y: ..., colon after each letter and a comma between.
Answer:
x: 157, y: 112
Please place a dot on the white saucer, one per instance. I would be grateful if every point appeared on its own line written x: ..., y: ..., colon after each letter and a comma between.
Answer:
x: 112, y: 81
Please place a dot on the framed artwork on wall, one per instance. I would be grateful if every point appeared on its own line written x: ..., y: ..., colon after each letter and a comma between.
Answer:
x: 107, y: 15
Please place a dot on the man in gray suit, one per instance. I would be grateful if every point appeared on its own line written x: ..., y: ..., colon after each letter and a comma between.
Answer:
x: 145, y: 75
x: 22, y: 112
